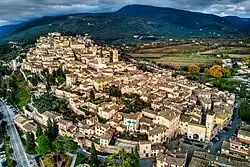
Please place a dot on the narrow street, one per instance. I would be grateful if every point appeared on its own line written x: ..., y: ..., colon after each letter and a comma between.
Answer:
x: 16, y: 143
x: 223, y: 135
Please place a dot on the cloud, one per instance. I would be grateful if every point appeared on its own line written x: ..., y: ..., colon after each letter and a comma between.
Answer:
x: 14, y: 11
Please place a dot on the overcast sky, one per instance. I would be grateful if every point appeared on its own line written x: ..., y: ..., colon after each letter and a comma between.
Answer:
x: 14, y: 11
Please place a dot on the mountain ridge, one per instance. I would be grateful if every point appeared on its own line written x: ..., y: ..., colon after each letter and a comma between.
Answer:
x: 123, y: 24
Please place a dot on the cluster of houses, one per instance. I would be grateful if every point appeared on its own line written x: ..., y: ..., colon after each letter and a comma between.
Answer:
x: 243, y: 66
x: 177, y: 106
x: 239, y: 145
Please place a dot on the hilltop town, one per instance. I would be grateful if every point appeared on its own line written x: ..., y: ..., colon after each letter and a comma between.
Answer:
x: 118, y: 106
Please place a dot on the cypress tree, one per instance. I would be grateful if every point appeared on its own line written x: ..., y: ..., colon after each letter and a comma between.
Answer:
x: 93, y: 156
x: 39, y: 131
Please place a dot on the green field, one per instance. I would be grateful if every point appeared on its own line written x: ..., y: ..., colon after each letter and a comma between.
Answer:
x: 188, y: 59
x: 179, y: 60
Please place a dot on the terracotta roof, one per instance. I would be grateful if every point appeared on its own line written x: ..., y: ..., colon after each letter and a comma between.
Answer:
x: 157, y: 130
x: 185, y: 118
x: 171, y: 160
x: 145, y: 120
x: 168, y: 114
x: 203, y: 158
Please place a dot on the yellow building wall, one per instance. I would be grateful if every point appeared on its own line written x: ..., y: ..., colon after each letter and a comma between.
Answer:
x: 103, y: 85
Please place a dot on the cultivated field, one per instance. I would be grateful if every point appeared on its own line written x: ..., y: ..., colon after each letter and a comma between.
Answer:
x: 186, y: 54
x: 146, y: 55
x: 177, y: 60
x: 175, y: 49
x: 186, y: 60
x: 228, y: 50
x: 238, y: 55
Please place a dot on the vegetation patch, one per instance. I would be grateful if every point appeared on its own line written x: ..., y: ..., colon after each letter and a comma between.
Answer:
x: 51, y: 160
x: 48, y: 102
x: 133, y: 137
x: 133, y: 103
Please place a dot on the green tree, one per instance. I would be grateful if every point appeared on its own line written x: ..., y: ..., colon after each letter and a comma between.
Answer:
x: 244, y: 110
x: 125, y: 159
x: 30, y: 143
x: 58, y: 147
x: 70, y: 146
x: 55, y: 130
x: 63, y: 107
x: 137, y: 157
x: 243, y: 91
x: 92, y: 95
x: 111, y: 160
x: 39, y: 130
x: 114, y: 91
x: 43, y: 145
x: 93, y: 156
x: 79, y: 159
x: 49, y: 130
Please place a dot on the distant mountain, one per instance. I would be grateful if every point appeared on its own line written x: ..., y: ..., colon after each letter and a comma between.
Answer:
x: 4, y: 30
x: 122, y: 25
x: 179, y: 18
x: 243, y: 24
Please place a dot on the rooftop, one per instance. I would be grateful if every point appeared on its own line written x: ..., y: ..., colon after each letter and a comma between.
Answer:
x: 201, y: 159
x: 52, y: 115
x: 158, y: 129
x: 171, y: 160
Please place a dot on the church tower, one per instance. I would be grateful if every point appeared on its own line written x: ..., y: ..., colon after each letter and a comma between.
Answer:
x: 115, y: 55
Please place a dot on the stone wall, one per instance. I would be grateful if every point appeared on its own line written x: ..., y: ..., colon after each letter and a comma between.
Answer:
x: 108, y: 149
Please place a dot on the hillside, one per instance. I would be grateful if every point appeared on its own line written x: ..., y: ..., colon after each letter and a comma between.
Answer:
x: 4, y: 30
x: 243, y: 24
x: 122, y: 25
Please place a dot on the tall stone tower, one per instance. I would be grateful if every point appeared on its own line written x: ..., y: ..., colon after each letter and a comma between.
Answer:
x: 115, y: 55
x: 68, y: 80
x: 209, y: 124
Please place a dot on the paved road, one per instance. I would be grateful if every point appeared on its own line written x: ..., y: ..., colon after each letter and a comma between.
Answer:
x: 226, y: 135
x: 16, y: 143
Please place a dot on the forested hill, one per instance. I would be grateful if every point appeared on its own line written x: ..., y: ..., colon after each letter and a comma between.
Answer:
x: 122, y: 25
